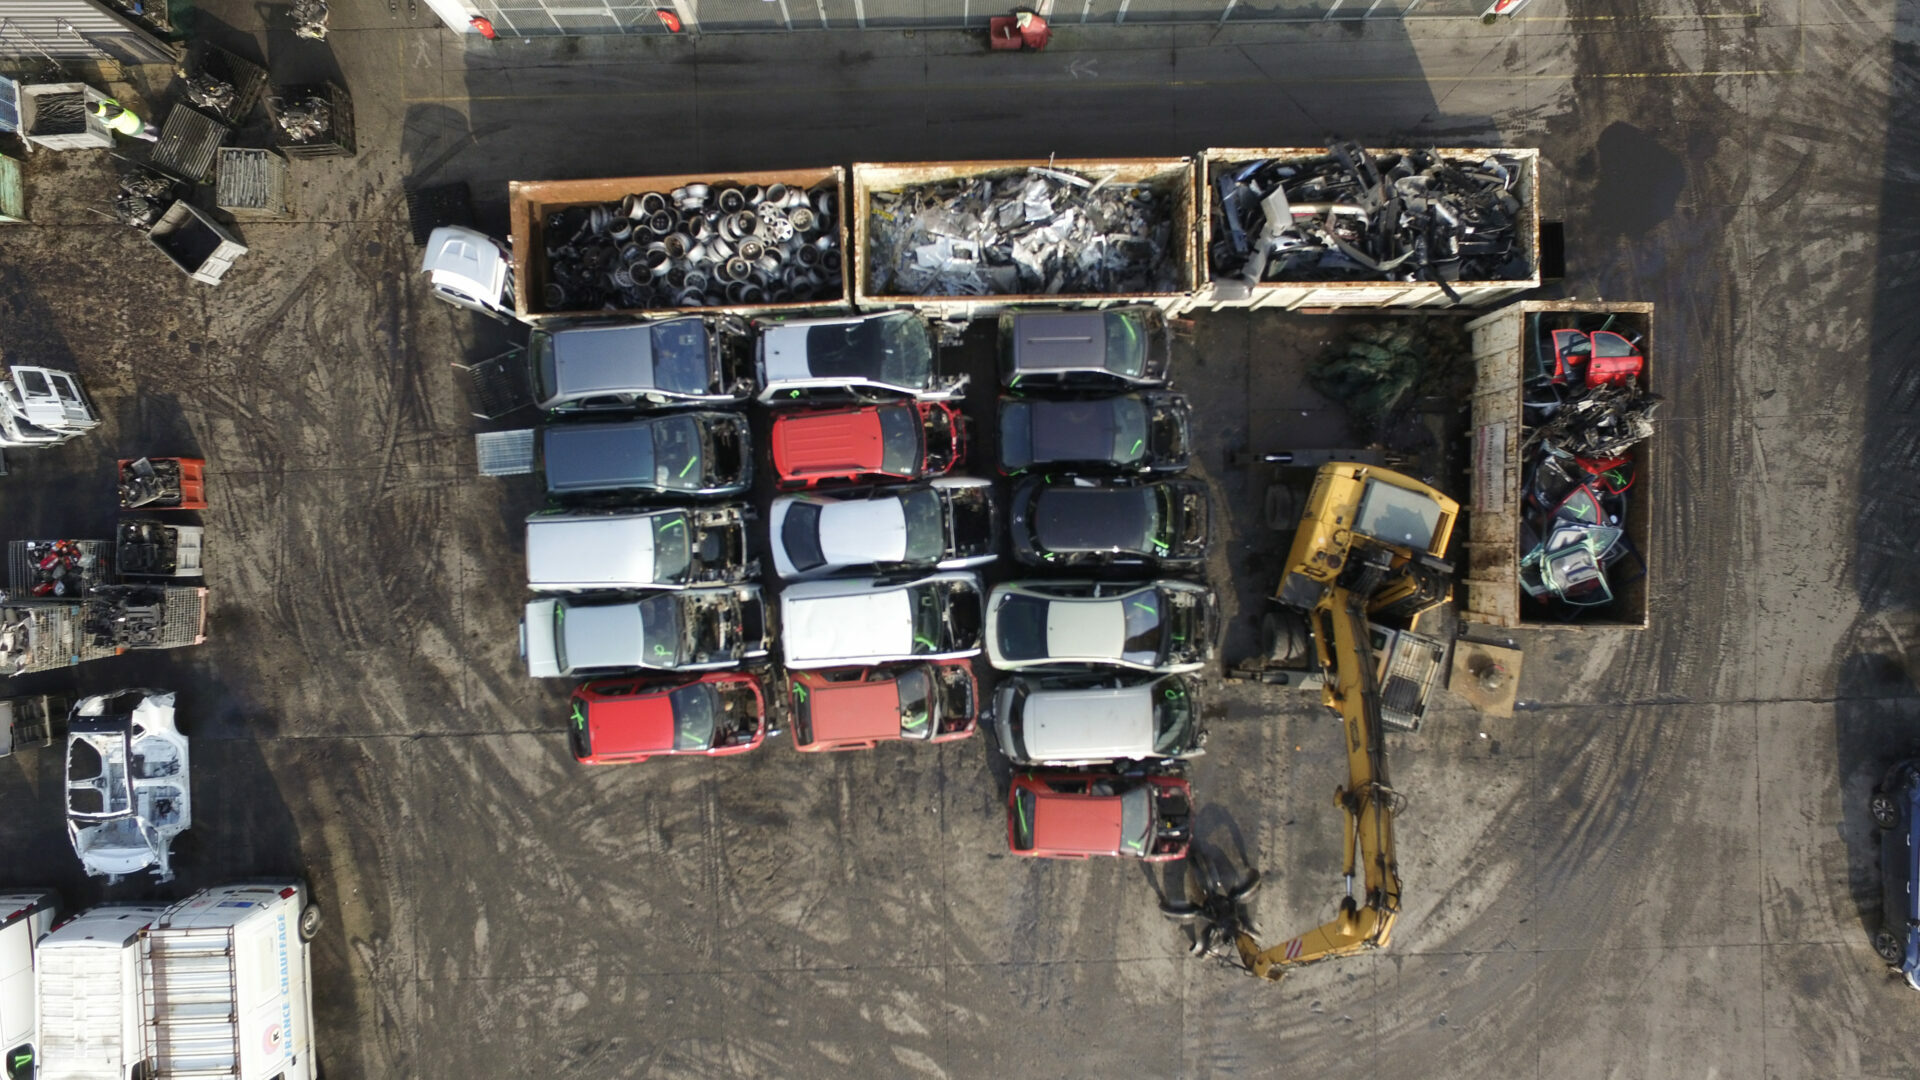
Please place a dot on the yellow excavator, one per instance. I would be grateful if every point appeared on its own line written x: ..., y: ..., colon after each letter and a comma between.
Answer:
x: 1367, y: 560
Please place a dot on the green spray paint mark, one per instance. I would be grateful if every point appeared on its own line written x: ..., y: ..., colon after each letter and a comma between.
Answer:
x: 579, y: 718
x: 1144, y: 606
x: 793, y: 393
x: 918, y: 640
x: 1021, y: 809
x: 1137, y: 444
x: 799, y: 692
x: 687, y: 468
x: 676, y: 523
x: 915, y: 723
x: 1015, y: 383
x: 661, y: 650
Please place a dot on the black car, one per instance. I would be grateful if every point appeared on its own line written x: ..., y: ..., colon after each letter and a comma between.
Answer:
x: 1895, y: 808
x: 1163, y: 523
x: 1129, y: 434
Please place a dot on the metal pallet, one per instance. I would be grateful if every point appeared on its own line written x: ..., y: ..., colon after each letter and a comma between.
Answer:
x: 499, y: 384
x: 188, y: 142
x: 1412, y: 670
x: 504, y: 453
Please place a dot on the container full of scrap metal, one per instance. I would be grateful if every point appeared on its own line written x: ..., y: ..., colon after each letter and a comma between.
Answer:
x: 1561, y: 521
x: 1348, y: 226
x: 973, y: 238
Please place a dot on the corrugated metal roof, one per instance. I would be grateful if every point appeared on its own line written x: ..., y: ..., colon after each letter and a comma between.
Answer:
x: 72, y: 30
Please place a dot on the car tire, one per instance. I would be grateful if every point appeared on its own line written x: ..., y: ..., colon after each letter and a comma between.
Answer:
x: 1285, y: 639
x: 309, y: 922
x: 1884, y: 810
x: 1889, y: 947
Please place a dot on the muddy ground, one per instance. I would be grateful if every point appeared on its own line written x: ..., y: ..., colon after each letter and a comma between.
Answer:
x: 1660, y: 866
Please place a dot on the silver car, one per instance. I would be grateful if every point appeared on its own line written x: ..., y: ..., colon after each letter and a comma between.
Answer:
x: 886, y: 355
x: 633, y: 365
x: 1094, y: 719
x: 947, y: 524
x: 705, y: 629
x: 1121, y: 348
x: 1161, y: 626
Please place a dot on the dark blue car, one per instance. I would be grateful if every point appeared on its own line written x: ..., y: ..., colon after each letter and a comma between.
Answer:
x: 1895, y: 807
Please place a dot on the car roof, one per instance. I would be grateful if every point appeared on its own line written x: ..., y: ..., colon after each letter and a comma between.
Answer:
x: 1092, y: 518
x: 1086, y: 627
x: 856, y: 710
x: 1103, y: 722
x: 631, y: 725
x: 1073, y: 430
x: 602, y: 635
x: 589, y: 456
x: 1060, y: 341
x: 845, y: 440
x: 870, y: 623
x: 1076, y: 823
x: 609, y: 549
x: 604, y: 359
x: 860, y: 531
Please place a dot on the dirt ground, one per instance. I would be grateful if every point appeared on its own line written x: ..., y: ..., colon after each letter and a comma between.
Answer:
x: 1661, y: 866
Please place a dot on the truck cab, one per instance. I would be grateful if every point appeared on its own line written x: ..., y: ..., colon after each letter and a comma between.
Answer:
x: 25, y: 918
x: 469, y: 269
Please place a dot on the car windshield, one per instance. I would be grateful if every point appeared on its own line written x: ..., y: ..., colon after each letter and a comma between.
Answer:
x: 1165, y: 519
x: 1143, y: 628
x: 916, y: 704
x: 926, y: 525
x: 1023, y: 807
x: 676, y: 453
x: 800, y: 535
x: 1136, y: 820
x: 660, y: 629
x: 1129, y: 430
x: 927, y: 633
x: 693, y: 714
x: 672, y: 550
x: 908, y: 356
x: 680, y: 356
x: 546, y: 375
x: 900, y: 440
x: 1023, y: 627
x: 1126, y: 344
x: 894, y: 349
x: 1172, y: 718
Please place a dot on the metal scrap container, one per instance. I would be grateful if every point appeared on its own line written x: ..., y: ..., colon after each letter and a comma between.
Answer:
x: 531, y: 202
x: 92, y: 134
x: 189, y: 142
x: 1357, y: 294
x: 1174, y: 176
x: 13, y: 192
x: 1502, y: 355
x: 252, y: 183
x: 201, y: 247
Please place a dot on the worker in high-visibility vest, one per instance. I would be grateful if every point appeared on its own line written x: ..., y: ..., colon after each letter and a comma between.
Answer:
x: 122, y: 119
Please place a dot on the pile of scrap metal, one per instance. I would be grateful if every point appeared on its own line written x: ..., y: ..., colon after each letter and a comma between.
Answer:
x: 702, y: 245
x: 307, y: 118
x: 211, y: 92
x: 1034, y: 232
x: 127, y: 616
x: 16, y: 640
x: 150, y: 480
x: 143, y: 196
x: 1355, y: 216
x: 1586, y: 408
x: 60, y: 568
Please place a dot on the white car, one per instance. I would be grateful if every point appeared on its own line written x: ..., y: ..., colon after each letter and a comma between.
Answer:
x: 850, y: 622
x: 1092, y: 720
x: 706, y: 629
x: 886, y: 355
x: 679, y: 548
x: 946, y: 524
x: 1160, y: 626
x: 127, y: 783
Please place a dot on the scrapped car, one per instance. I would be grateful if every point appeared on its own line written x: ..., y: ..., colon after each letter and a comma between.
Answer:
x: 1080, y: 523
x: 1077, y: 816
x: 860, y: 708
x: 884, y: 355
x: 849, y: 622
x: 705, y: 629
x: 601, y: 550
x: 897, y: 441
x: 1162, y: 626
x: 703, y: 453
x: 623, y: 720
x: 944, y: 525
x: 1089, y: 720
x: 1132, y: 433
x: 128, y: 790
x: 637, y: 365
x: 1895, y: 807
x: 1118, y: 348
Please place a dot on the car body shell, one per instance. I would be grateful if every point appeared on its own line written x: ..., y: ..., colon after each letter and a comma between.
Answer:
x: 854, y: 622
x: 1900, y: 868
x: 613, y: 366
x: 1086, y: 435
x: 1082, y: 523
x: 612, y: 550
x: 727, y: 624
x: 624, y: 460
x: 850, y: 444
x: 868, y: 529
x: 1080, y: 815
x: 1087, y: 624
x: 860, y: 708
x: 1094, y: 719
x: 794, y: 363
x: 1069, y: 351
x: 631, y: 719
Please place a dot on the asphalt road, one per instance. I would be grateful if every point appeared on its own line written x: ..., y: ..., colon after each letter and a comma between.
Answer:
x: 1661, y: 866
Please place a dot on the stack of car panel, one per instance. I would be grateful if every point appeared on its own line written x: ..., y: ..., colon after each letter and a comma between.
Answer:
x: 1102, y: 707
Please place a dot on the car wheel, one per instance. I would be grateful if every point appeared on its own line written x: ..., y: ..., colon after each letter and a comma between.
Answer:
x: 1889, y: 947
x: 1285, y: 638
x: 1885, y: 811
x: 309, y: 922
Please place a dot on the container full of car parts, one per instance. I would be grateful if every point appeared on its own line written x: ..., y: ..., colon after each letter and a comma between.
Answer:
x: 1347, y: 226
x: 1561, y: 523
x: 973, y: 238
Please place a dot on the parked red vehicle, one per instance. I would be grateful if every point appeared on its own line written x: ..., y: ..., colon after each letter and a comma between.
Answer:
x: 860, y: 708
x: 629, y: 719
x: 896, y: 441
x: 1077, y: 816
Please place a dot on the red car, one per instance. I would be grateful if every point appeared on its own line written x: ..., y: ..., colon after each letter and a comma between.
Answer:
x: 617, y: 720
x: 860, y: 708
x: 898, y: 441
x: 1076, y: 816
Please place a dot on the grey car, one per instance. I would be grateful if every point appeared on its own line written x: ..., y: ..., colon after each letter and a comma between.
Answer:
x: 1121, y: 348
x: 1163, y: 626
x: 1129, y: 434
x: 1094, y: 719
x: 698, y: 453
x: 635, y: 365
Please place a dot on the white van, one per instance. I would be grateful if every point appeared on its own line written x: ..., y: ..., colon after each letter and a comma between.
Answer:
x: 588, y: 550
x: 90, y: 1008
x: 25, y: 918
